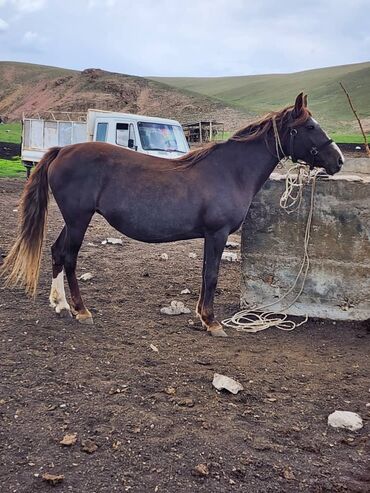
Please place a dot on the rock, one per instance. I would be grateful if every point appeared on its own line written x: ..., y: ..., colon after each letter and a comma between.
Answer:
x: 232, y: 245
x: 86, y: 277
x: 185, y: 402
x: 154, y: 348
x: 229, y: 256
x: 170, y: 390
x: 221, y: 382
x: 52, y: 478
x: 192, y: 255
x: 163, y: 256
x: 89, y: 446
x: 346, y: 420
x: 185, y: 291
x: 176, y: 308
x: 288, y: 474
x: 112, y: 241
x: 69, y: 439
x: 201, y: 470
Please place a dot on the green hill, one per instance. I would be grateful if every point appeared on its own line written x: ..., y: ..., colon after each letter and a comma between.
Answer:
x: 262, y: 93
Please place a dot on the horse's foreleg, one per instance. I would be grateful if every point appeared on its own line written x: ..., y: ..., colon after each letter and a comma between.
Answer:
x: 214, y: 245
x: 75, y: 237
x: 57, y: 296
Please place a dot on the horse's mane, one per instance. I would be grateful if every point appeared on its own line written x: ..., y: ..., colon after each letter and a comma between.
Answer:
x: 251, y: 132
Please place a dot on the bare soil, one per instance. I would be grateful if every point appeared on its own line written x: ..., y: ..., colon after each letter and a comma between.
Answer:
x: 148, y: 421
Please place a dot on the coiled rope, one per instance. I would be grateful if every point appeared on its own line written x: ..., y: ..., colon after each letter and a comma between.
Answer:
x: 256, y: 318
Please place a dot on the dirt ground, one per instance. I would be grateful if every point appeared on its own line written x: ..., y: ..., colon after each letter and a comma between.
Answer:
x: 144, y: 420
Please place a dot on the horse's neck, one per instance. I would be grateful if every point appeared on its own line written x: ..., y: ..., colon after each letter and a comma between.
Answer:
x: 254, y: 163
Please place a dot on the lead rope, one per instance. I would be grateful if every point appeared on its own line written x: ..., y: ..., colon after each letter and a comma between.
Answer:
x: 256, y: 318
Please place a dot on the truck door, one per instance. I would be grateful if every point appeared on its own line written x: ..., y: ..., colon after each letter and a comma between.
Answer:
x: 125, y: 135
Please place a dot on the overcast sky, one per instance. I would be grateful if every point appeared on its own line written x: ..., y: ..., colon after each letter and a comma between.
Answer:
x: 186, y: 38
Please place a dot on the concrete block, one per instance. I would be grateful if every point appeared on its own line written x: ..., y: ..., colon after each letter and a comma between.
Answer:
x: 338, y: 282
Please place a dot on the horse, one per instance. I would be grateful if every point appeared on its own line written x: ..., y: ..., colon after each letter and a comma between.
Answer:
x: 203, y: 194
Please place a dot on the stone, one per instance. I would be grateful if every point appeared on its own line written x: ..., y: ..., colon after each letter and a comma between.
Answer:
x: 229, y: 256
x: 69, y: 439
x: 112, y: 241
x: 222, y: 382
x: 185, y: 291
x: 176, y: 308
x: 89, y: 446
x: 192, y: 255
x: 163, y: 256
x: 86, y: 277
x: 201, y: 470
x: 346, y: 420
x: 233, y: 245
x: 53, y: 479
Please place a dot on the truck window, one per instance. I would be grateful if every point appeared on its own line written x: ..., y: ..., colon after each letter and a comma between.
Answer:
x: 101, y: 132
x: 124, y: 132
x: 162, y: 137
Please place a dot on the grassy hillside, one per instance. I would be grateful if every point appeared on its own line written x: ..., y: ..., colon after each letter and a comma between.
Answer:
x: 262, y: 93
x: 11, y: 132
x: 37, y: 89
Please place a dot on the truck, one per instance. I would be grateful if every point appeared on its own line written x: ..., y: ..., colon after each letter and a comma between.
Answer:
x: 159, y: 137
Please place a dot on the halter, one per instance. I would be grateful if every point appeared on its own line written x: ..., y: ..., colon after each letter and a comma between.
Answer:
x: 313, y: 151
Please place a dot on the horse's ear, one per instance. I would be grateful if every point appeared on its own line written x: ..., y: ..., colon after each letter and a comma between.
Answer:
x: 298, y: 105
x: 305, y: 100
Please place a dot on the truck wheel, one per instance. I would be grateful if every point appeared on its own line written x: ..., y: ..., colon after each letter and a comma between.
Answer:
x: 28, y: 165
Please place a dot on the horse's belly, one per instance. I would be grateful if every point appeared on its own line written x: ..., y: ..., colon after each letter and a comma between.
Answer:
x: 153, y: 227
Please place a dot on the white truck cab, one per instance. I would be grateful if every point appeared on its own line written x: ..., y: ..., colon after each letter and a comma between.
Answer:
x: 159, y: 137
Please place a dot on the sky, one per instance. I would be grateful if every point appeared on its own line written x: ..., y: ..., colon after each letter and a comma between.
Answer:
x: 186, y: 38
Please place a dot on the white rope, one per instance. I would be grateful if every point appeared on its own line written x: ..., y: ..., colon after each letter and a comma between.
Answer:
x: 257, y: 318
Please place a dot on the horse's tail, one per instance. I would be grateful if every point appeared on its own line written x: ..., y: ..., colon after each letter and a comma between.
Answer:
x: 22, y: 264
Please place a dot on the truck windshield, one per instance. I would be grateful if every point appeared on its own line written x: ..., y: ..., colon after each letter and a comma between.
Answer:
x: 162, y: 137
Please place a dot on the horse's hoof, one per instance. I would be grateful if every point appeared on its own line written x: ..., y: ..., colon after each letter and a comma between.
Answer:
x: 85, y: 318
x: 64, y: 313
x: 219, y: 332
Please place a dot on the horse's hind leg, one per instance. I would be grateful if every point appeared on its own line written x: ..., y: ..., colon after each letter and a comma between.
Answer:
x: 57, y: 294
x: 74, y: 238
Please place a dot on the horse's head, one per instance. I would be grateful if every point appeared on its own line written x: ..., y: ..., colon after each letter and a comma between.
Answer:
x: 308, y: 142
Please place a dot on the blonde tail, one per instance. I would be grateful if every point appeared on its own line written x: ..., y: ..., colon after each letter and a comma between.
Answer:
x: 22, y: 265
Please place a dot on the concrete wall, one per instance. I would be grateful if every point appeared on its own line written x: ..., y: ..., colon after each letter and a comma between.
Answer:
x: 338, y: 283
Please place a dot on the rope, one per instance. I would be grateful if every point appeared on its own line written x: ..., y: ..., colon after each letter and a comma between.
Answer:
x: 257, y: 318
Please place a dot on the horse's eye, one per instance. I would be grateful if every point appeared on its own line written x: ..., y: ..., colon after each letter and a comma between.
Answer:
x: 310, y: 127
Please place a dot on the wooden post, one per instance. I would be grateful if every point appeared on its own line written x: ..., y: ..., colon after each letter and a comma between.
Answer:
x: 367, y: 150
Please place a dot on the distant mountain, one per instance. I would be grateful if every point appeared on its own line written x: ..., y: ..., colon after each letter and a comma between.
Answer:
x: 37, y: 89
x: 262, y: 93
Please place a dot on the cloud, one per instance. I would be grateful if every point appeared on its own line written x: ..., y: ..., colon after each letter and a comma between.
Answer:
x: 3, y: 25
x: 100, y: 3
x: 205, y: 38
x: 28, y: 6
x: 30, y: 37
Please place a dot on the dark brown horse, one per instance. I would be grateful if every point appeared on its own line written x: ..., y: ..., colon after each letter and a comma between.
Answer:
x: 205, y: 194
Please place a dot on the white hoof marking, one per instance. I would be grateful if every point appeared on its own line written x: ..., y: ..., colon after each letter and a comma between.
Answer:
x: 57, y: 296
